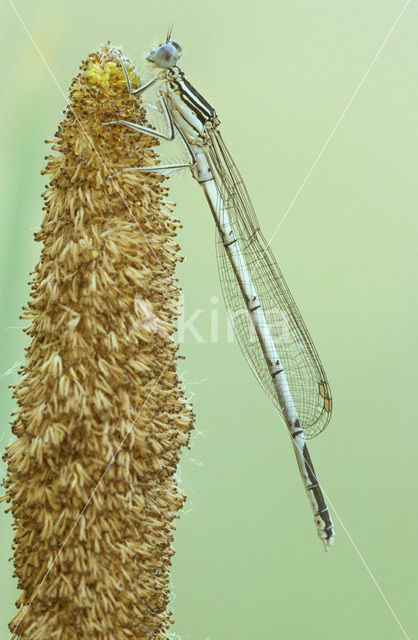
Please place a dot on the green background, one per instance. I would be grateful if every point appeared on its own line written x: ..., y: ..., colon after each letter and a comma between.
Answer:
x: 280, y: 74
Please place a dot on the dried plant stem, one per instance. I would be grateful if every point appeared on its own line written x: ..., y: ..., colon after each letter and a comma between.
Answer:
x: 101, y: 414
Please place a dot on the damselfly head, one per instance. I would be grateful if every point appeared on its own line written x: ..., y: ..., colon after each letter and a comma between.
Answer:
x: 165, y: 55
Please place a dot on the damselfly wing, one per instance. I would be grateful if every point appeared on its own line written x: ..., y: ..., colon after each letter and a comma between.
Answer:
x: 304, y: 371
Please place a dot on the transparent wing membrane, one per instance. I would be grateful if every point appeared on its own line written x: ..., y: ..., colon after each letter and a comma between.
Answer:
x: 300, y: 361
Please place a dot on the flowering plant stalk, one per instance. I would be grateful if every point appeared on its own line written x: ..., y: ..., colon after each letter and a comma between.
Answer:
x: 101, y: 416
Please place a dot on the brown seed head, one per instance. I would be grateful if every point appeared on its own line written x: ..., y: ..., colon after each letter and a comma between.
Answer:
x: 101, y: 414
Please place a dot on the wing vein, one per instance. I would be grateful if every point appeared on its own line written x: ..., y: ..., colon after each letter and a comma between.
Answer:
x: 304, y: 371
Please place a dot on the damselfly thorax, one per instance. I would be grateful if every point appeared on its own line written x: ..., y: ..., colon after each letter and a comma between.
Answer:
x: 191, y: 113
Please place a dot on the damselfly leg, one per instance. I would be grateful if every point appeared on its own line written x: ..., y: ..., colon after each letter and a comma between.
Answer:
x: 154, y: 134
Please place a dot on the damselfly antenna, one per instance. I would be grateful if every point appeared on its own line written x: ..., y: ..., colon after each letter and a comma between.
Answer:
x: 169, y: 32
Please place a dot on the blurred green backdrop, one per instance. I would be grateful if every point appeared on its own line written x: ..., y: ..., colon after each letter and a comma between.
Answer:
x: 280, y: 74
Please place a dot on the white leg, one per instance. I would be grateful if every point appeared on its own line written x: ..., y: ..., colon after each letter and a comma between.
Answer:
x: 157, y: 169
x: 150, y: 132
x: 173, y: 130
x: 128, y: 82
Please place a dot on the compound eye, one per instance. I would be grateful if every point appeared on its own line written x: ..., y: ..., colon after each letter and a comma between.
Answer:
x: 176, y: 46
x: 166, y: 56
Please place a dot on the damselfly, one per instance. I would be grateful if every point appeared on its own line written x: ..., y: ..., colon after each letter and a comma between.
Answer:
x: 279, y: 350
